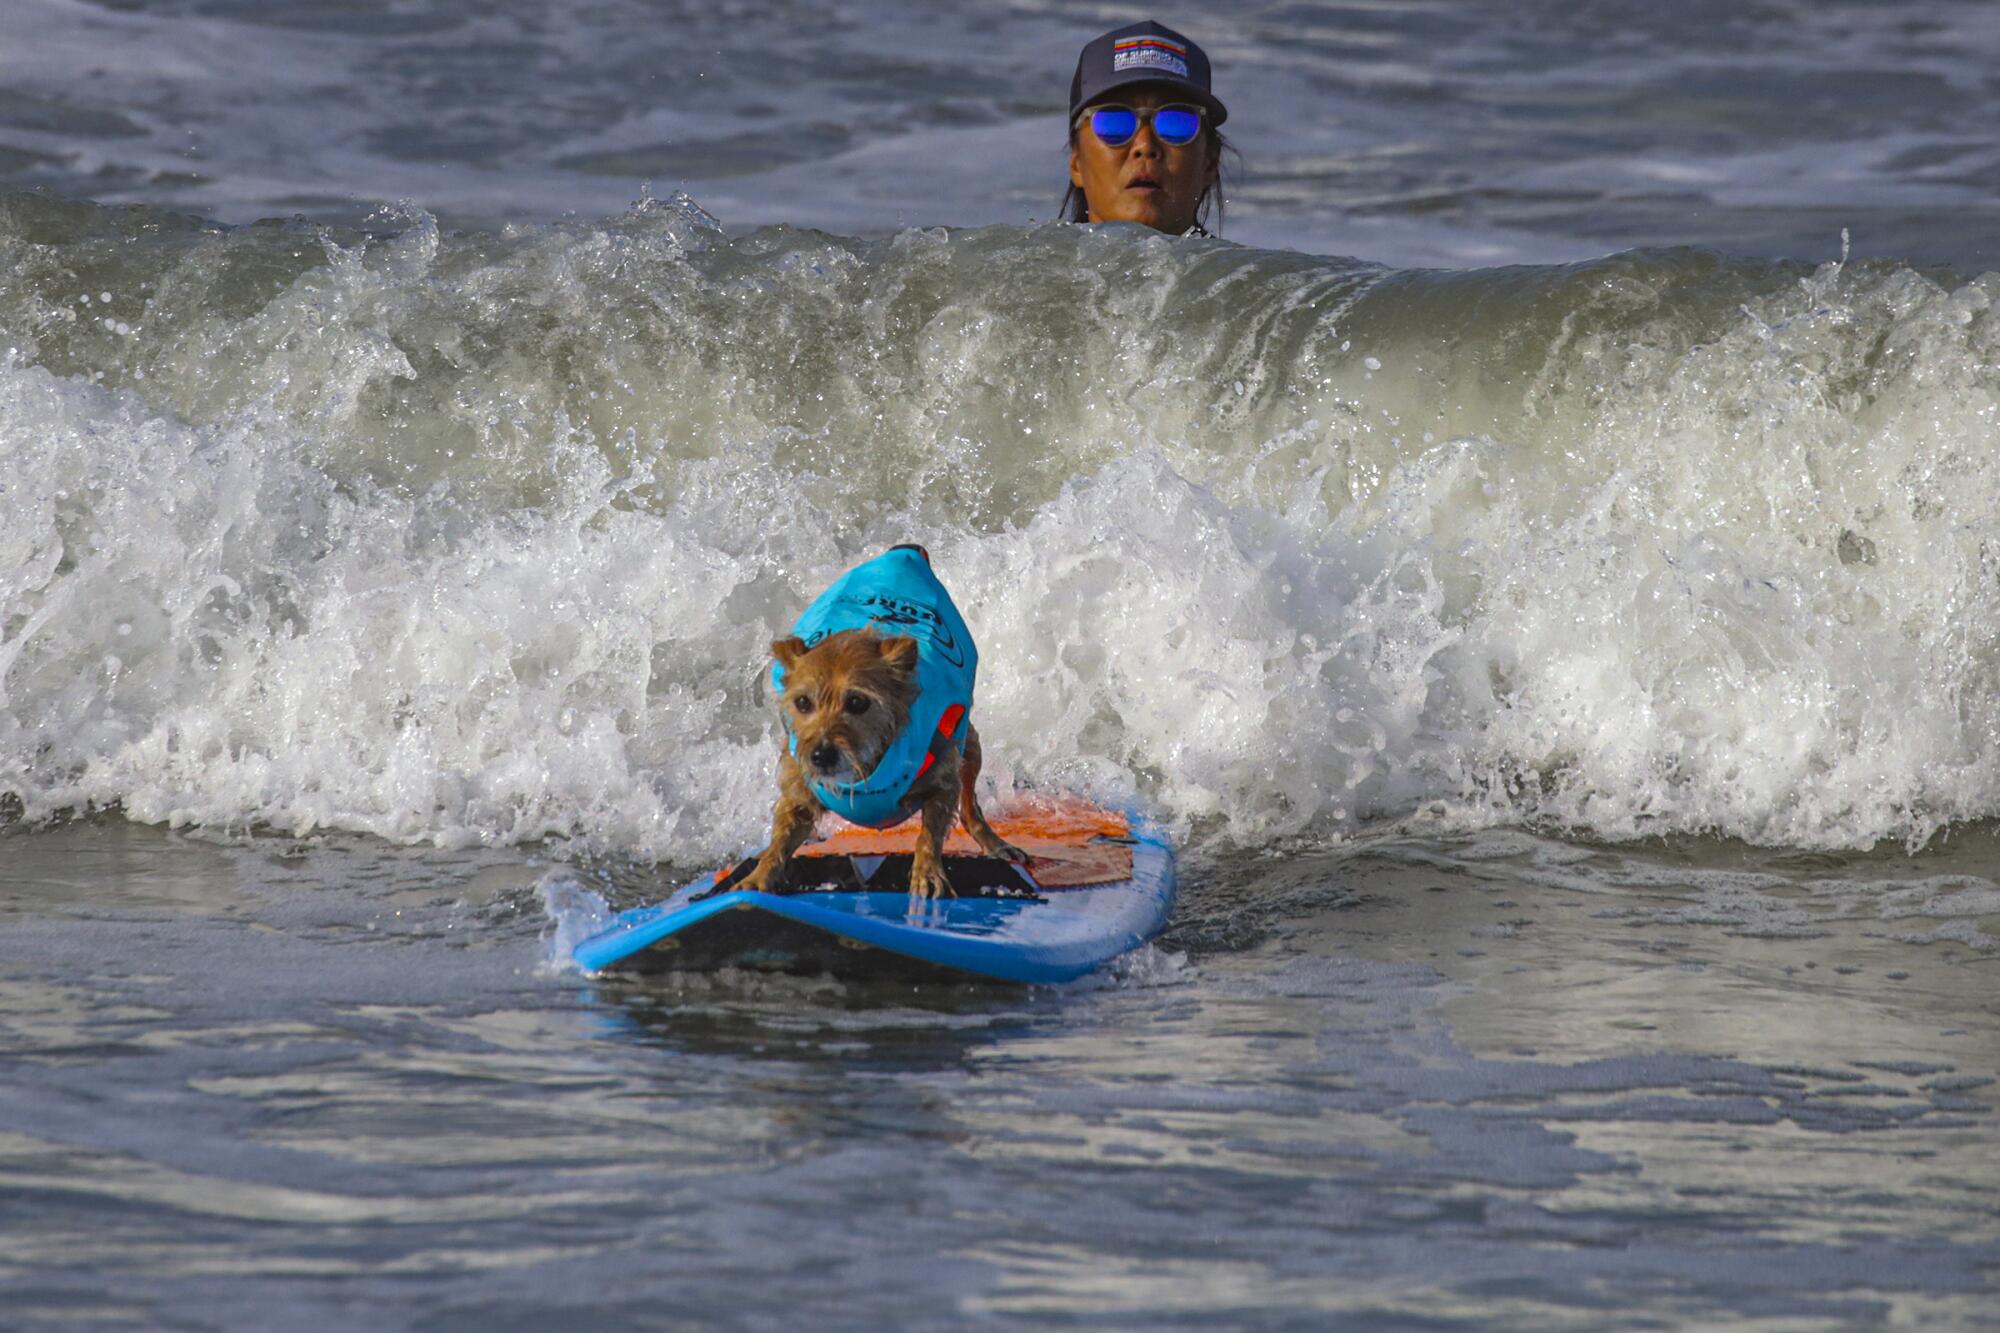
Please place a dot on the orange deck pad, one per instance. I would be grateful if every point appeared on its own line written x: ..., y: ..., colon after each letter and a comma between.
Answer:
x: 1057, y: 832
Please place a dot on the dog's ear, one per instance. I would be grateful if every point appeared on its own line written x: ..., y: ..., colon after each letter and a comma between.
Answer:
x: 788, y: 651
x: 900, y: 653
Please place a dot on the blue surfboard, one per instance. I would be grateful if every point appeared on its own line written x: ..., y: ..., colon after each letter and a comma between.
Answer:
x: 1091, y: 890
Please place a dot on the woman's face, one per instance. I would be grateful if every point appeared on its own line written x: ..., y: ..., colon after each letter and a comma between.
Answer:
x: 1141, y: 180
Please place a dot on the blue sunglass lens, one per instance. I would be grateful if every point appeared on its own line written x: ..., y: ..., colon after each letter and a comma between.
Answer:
x: 1176, y: 124
x: 1114, y: 124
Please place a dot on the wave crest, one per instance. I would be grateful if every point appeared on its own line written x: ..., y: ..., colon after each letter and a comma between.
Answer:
x: 478, y: 537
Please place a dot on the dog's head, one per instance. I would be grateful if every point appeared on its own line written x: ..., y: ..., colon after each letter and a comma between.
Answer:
x: 846, y: 699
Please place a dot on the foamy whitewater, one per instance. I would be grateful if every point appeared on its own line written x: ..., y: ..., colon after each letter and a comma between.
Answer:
x: 478, y: 538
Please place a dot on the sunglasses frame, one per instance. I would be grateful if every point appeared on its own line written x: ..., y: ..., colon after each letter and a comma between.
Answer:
x: 1088, y: 116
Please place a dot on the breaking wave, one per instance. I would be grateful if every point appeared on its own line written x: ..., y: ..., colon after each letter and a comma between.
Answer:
x: 479, y: 537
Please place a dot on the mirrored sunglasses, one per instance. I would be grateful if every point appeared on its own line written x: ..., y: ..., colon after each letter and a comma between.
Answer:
x: 1115, y: 125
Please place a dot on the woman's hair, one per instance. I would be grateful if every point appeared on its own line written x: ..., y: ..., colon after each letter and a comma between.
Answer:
x: 1076, y: 208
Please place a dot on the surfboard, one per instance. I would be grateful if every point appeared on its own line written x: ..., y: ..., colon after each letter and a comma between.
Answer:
x: 1096, y: 884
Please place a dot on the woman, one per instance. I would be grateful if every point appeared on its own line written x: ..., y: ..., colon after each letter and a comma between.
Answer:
x: 1145, y: 143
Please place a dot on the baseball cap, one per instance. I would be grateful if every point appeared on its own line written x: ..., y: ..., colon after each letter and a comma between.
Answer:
x: 1145, y: 52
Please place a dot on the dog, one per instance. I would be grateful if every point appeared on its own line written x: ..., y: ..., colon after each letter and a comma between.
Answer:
x: 847, y: 702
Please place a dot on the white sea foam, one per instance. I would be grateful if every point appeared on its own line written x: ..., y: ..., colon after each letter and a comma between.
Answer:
x: 480, y: 539
x: 575, y: 914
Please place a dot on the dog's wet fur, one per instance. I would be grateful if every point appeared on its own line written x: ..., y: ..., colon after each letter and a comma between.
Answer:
x: 846, y: 699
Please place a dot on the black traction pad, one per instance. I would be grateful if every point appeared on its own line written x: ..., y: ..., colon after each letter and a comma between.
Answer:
x: 969, y: 876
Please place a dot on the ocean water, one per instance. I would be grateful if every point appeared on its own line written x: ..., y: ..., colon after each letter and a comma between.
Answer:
x: 1541, y: 565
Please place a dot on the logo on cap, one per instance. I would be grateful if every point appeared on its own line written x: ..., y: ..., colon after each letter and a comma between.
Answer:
x: 1149, y: 53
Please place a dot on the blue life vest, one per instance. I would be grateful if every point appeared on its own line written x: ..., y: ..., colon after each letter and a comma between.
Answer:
x: 896, y: 595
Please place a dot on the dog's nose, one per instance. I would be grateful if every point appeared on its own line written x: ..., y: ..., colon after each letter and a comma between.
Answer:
x: 824, y: 757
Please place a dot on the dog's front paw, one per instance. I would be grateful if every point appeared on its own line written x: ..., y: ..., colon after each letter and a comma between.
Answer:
x: 991, y: 844
x: 764, y: 879
x: 928, y: 880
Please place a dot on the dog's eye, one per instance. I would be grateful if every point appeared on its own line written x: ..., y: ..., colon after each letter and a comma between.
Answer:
x: 802, y: 702
x: 858, y: 703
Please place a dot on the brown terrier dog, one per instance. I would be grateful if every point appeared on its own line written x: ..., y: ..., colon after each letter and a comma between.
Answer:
x: 847, y: 698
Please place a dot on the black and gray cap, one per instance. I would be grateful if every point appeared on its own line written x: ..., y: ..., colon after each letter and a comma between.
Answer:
x: 1146, y: 52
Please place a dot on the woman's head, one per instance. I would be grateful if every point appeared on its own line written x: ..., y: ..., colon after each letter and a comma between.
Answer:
x: 1144, y: 138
